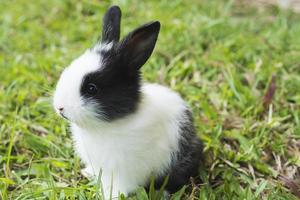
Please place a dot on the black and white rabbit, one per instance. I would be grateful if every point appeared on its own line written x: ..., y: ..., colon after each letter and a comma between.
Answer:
x: 124, y: 129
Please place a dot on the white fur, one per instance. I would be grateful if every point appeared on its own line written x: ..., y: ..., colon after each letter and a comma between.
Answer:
x: 103, y: 47
x: 67, y: 94
x: 128, y: 151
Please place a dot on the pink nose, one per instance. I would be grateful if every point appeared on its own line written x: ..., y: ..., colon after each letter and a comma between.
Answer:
x: 61, y: 109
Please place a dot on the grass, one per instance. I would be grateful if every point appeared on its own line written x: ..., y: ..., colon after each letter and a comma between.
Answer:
x: 219, y: 55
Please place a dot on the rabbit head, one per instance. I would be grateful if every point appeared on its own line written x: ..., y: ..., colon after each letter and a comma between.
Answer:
x: 104, y: 82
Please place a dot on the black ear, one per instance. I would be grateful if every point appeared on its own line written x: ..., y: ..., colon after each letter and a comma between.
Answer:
x: 138, y: 45
x: 111, y: 25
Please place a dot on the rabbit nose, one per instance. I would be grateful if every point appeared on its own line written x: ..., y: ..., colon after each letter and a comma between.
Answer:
x: 61, y: 109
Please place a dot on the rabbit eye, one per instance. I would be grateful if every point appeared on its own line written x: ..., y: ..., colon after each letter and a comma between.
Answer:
x: 92, y: 89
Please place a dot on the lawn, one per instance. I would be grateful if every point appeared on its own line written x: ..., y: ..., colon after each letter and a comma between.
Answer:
x: 237, y: 65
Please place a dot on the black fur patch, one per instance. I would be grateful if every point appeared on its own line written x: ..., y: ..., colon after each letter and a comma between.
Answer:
x: 117, y: 82
x: 118, y: 91
x: 187, y: 161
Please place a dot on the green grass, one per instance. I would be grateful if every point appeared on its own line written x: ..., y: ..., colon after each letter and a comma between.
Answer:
x: 219, y: 55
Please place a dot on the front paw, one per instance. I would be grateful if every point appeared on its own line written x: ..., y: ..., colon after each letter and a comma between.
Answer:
x: 87, y: 172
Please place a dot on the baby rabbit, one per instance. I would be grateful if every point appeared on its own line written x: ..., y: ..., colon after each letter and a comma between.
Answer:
x: 124, y: 130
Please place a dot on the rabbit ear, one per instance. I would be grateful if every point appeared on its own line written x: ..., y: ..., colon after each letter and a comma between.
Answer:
x: 111, y: 25
x: 138, y: 45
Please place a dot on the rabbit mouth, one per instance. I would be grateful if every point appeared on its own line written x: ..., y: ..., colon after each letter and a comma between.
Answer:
x: 63, y: 116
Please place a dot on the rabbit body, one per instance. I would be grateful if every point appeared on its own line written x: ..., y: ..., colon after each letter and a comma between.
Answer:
x: 130, y: 150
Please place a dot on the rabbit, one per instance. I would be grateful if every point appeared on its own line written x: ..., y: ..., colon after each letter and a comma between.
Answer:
x: 127, y: 132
